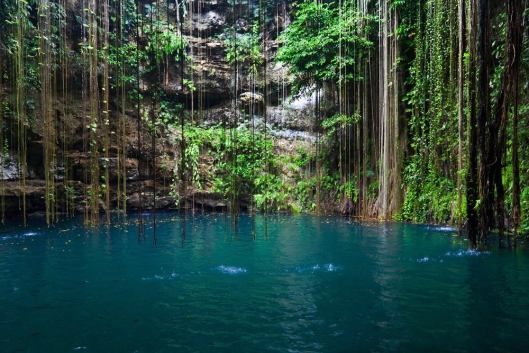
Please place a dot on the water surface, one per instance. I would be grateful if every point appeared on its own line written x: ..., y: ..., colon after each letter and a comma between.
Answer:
x: 274, y: 284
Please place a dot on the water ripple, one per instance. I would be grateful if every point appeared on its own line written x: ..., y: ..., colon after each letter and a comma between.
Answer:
x: 318, y: 268
x: 467, y: 252
x: 20, y: 236
x: 442, y: 228
x: 231, y: 270
x: 456, y: 253
x: 171, y: 276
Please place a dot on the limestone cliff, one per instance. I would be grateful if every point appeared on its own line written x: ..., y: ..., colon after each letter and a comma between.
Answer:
x: 289, y: 121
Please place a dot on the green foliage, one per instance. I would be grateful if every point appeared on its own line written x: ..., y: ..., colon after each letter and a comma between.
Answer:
x: 244, y: 48
x: 18, y: 15
x: 429, y: 199
x: 303, y: 158
x: 311, y: 44
x: 169, y: 113
x: 164, y: 41
x: 241, y: 160
x: 372, y: 189
x: 332, y: 188
x: 272, y: 194
x: 524, y: 203
x: 350, y: 190
x: 304, y: 191
x: 192, y: 164
x: 332, y: 124
x: 243, y: 165
x: 431, y: 172
x: 190, y: 85
x: 196, y: 139
x: 127, y: 56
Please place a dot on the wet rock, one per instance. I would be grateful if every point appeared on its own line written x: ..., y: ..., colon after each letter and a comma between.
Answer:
x: 211, y: 22
x: 210, y: 201
x: 145, y: 200
x: 294, y: 135
x: 296, y: 113
x: 80, y: 167
x: 251, y: 98
x: 132, y: 169
x: 8, y: 168
x: 12, y: 192
x: 242, y: 25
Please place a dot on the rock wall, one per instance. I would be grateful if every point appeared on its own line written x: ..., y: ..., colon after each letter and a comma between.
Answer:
x: 289, y: 120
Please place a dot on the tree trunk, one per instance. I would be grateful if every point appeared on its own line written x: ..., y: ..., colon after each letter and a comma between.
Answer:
x: 515, y: 31
x: 461, y: 106
x: 472, y: 168
x: 483, y: 118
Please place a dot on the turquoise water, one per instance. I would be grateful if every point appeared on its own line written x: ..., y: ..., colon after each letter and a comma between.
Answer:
x: 275, y: 284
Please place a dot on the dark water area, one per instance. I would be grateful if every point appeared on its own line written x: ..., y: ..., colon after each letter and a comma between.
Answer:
x: 265, y: 284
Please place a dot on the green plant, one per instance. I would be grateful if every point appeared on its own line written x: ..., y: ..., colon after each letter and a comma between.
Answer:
x: 304, y: 192
x: 429, y: 199
x: 244, y: 48
x: 350, y: 190
x: 271, y: 193
x: 311, y: 44
x: 164, y: 40
x: 524, y: 203
x: 339, y: 120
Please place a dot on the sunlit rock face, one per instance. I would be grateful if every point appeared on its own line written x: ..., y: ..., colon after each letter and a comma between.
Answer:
x: 210, y: 22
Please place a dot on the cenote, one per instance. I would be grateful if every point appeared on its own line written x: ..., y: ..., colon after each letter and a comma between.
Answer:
x: 262, y: 284
x: 226, y: 129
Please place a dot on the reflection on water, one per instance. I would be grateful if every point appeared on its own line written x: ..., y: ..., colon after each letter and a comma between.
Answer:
x: 205, y: 283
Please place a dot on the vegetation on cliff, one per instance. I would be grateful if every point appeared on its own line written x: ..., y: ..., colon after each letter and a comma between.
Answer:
x: 414, y: 110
